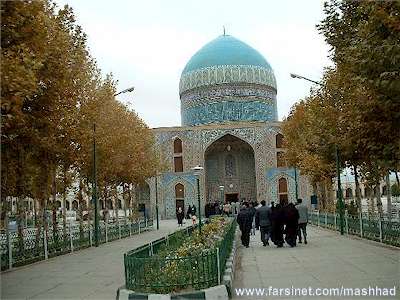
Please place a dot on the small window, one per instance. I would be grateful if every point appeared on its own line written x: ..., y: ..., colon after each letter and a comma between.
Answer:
x: 367, y: 192
x: 177, y: 146
x: 75, y: 205
x: 279, y: 140
x: 349, y: 193
x: 178, y: 163
x: 282, y: 185
x: 384, y: 190
x: 179, y: 191
x: 282, y: 191
x: 230, y: 166
x: 280, y: 159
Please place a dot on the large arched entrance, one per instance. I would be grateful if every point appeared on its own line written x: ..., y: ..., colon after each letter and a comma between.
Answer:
x: 230, y: 170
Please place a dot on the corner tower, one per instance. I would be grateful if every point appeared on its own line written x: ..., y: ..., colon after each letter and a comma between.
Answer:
x: 227, y: 81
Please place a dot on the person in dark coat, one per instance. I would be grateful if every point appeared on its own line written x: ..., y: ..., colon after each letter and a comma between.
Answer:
x: 193, y: 210
x: 180, y: 215
x: 252, y: 210
x: 263, y: 221
x: 277, y: 224
x: 207, y: 210
x: 291, y: 221
x: 189, y: 212
x: 245, y: 220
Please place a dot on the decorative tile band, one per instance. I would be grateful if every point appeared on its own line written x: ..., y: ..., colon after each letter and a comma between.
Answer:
x: 225, y: 111
x: 227, y: 74
x: 232, y: 92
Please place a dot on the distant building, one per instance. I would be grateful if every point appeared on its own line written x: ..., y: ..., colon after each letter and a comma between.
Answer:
x: 230, y: 127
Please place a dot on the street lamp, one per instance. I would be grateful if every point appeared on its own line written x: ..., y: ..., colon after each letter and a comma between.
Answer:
x: 337, y: 158
x: 221, y: 188
x: 128, y: 90
x: 305, y: 78
x: 94, y: 182
x: 197, y: 171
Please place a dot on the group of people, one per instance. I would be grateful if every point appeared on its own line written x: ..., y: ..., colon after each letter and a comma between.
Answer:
x: 217, y: 208
x: 190, y: 214
x: 278, y: 223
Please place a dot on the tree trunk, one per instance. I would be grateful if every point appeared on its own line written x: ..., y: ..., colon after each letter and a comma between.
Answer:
x: 358, y: 196
x: 378, y: 198
x: 80, y: 208
x: 130, y: 202
x: 389, y: 196
x: 64, y: 197
x: 19, y: 202
x: 397, y: 177
x: 105, y: 193
x: 125, y: 200
x: 54, y: 208
x: 116, y: 204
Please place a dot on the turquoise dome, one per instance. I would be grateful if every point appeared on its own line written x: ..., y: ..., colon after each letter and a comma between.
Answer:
x: 225, y: 50
x: 227, y: 81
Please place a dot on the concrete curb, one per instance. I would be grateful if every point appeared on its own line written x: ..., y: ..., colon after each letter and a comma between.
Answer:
x: 230, y: 265
x: 218, y: 292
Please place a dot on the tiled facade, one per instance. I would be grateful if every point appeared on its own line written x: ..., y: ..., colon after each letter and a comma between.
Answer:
x: 229, y: 126
x: 260, y: 136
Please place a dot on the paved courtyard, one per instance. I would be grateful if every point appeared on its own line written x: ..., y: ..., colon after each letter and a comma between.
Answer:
x: 328, y: 260
x: 93, y: 273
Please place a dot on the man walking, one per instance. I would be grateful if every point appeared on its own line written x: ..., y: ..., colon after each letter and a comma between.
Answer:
x: 263, y: 221
x: 252, y: 210
x: 244, y: 220
x: 303, y: 220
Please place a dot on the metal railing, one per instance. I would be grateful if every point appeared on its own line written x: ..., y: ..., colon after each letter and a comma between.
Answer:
x: 148, y: 269
x: 378, y: 229
x: 36, y: 246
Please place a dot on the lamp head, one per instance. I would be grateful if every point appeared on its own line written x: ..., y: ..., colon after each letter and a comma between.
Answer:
x: 197, y: 170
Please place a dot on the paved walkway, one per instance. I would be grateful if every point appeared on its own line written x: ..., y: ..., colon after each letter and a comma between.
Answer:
x: 328, y: 260
x: 93, y: 273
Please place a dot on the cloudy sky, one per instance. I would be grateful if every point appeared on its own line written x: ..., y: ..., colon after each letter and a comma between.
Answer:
x: 146, y: 44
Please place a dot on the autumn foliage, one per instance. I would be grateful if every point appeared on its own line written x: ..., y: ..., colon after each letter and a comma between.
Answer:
x: 357, y: 106
x: 52, y: 94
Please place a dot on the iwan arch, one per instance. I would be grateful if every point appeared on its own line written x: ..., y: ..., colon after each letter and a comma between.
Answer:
x: 230, y: 127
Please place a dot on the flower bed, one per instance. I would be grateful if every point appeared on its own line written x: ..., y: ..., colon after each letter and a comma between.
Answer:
x: 193, y: 263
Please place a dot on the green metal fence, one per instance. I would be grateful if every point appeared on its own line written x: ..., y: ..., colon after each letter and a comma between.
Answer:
x: 40, y: 246
x: 145, y: 271
x: 377, y: 229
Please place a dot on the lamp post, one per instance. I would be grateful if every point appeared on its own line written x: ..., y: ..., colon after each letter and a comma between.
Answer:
x: 337, y: 158
x: 221, y: 188
x: 197, y: 171
x: 94, y: 181
x: 296, y: 185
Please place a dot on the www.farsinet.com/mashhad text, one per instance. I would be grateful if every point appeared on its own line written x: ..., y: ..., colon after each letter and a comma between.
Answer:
x: 341, y: 291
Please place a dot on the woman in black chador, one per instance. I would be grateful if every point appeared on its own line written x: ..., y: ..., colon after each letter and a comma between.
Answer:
x: 189, y: 212
x: 180, y: 215
x: 291, y: 221
x: 277, y: 220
